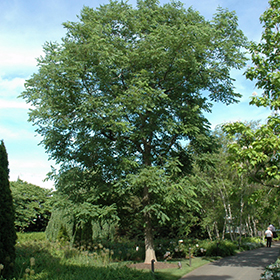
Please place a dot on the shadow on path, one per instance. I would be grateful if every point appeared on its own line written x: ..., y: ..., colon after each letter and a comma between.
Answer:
x: 244, y: 266
x: 254, y: 258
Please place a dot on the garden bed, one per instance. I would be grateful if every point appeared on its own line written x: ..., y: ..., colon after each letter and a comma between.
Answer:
x: 157, y: 265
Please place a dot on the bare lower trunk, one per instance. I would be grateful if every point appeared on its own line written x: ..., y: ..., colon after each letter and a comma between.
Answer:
x: 209, y: 232
x: 224, y: 229
x: 240, y: 222
x: 227, y: 212
x: 148, y: 231
x: 255, y: 227
x: 149, y: 246
x: 217, y: 230
x: 250, y: 230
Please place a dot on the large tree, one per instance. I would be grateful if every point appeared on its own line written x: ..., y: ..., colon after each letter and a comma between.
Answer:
x: 126, y: 90
x: 7, y: 218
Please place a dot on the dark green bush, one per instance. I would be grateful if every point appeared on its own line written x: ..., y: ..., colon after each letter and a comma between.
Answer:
x: 7, y: 218
x: 174, y: 248
x: 222, y: 248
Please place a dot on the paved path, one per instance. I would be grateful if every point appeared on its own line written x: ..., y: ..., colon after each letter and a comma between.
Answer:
x: 244, y: 266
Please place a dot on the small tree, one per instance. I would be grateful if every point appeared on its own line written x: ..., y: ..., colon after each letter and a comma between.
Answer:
x: 7, y: 218
x: 32, y: 206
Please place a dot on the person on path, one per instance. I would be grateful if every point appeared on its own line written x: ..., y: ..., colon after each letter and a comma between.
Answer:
x: 268, y: 235
x: 272, y: 228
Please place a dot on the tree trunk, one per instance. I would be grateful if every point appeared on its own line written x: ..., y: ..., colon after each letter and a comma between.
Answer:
x: 255, y: 227
x: 217, y: 230
x: 240, y: 222
x: 227, y: 211
x: 148, y: 231
x: 224, y: 229
x: 209, y: 232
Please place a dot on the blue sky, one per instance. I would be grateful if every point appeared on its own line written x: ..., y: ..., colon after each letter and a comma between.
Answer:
x: 25, y: 25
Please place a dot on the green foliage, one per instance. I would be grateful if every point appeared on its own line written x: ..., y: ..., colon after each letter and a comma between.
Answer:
x: 114, y: 101
x: 256, y: 152
x: 41, y: 259
x: 221, y: 248
x: 32, y: 206
x: 171, y: 248
x: 63, y: 226
x: 158, y: 59
x: 251, y: 245
x: 28, y: 236
x: 60, y: 262
x: 271, y: 271
x: 266, y: 59
x: 60, y: 226
x: 7, y: 218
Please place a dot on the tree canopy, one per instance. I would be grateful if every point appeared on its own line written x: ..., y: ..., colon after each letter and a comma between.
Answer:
x: 32, y: 206
x: 123, y: 96
x: 256, y: 152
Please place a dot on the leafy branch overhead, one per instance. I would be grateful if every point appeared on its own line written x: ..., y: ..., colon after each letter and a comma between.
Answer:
x: 255, y: 150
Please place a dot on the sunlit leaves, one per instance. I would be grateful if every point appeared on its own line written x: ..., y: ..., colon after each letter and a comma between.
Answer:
x: 255, y: 150
x: 122, y: 92
x: 266, y: 59
x: 32, y: 206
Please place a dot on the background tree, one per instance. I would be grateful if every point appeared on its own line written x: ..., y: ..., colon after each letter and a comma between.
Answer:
x: 124, y: 90
x: 32, y: 206
x: 232, y: 204
x: 256, y: 153
x: 7, y: 218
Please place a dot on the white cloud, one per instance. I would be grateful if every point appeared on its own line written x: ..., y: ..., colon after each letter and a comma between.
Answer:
x: 9, y: 104
x: 10, y: 89
x: 31, y: 170
x: 12, y: 84
x: 11, y: 133
x: 33, y: 178
x: 13, y: 56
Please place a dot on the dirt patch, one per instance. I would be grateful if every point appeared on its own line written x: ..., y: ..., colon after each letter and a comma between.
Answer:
x: 157, y: 265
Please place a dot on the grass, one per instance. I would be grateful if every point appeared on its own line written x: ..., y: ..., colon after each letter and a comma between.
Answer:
x: 176, y: 273
x: 37, y: 258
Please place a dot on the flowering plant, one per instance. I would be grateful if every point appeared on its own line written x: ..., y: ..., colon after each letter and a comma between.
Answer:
x: 272, y: 272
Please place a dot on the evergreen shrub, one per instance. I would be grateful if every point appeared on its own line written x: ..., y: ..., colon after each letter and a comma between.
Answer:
x: 7, y: 219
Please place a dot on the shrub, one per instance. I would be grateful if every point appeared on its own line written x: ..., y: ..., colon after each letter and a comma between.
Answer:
x: 221, y: 248
x: 7, y: 218
x: 272, y: 271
